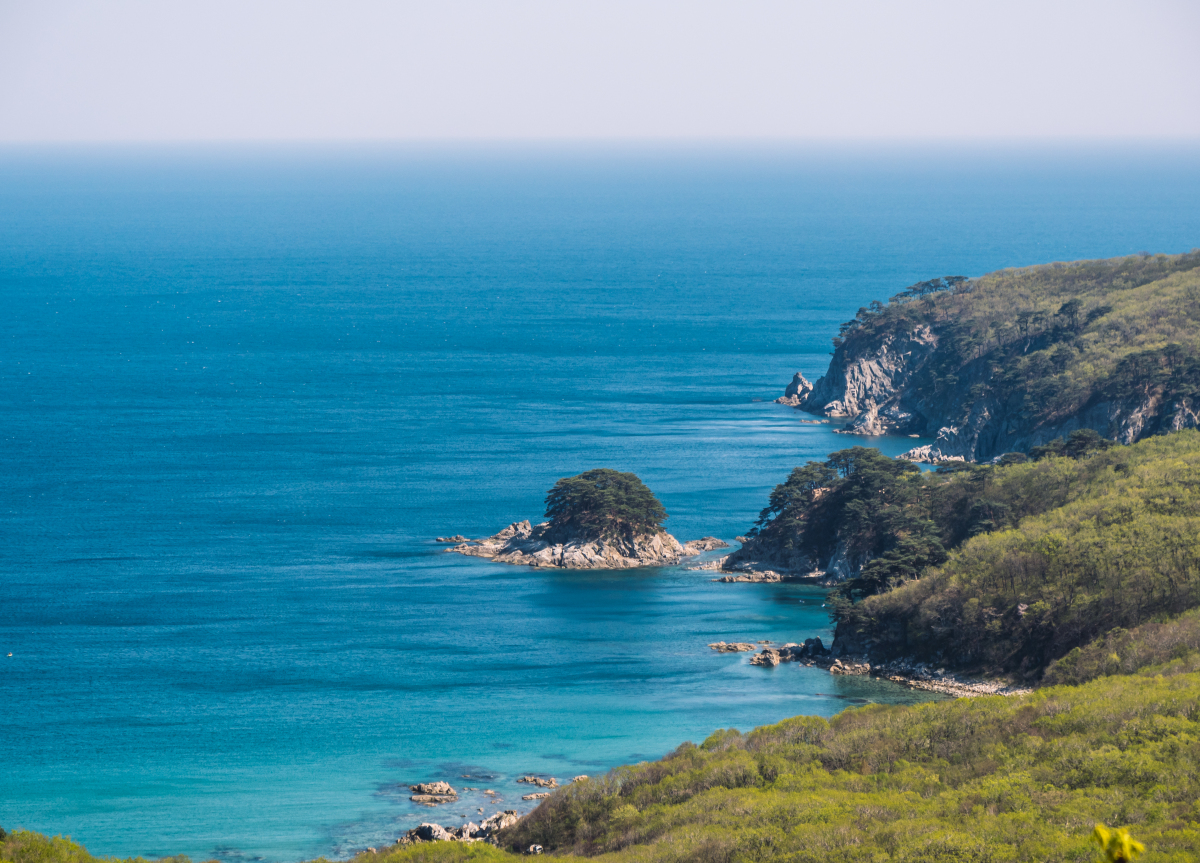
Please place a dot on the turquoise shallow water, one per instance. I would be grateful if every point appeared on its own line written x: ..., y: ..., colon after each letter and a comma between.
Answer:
x: 240, y: 392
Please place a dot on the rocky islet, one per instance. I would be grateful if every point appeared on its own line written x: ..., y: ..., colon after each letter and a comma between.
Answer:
x: 526, y: 544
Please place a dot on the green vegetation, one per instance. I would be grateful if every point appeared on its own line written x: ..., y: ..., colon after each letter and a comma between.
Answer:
x: 25, y: 846
x: 1079, y: 547
x: 1117, y: 846
x: 874, y: 507
x: 987, y: 779
x: 603, y: 502
x: 894, y: 520
x: 1043, y: 343
x: 1124, y: 651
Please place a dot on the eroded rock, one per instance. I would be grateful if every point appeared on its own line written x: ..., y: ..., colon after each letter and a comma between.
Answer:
x: 469, y: 832
x: 525, y: 544
x: 707, y: 543
x: 433, y: 793
x: 538, y: 781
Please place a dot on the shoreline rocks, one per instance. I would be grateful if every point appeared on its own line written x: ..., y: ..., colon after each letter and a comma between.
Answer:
x: 539, y: 782
x: 469, y: 832
x: 705, y: 543
x: 923, y: 676
x: 525, y: 544
x: 754, y: 573
x: 915, y: 675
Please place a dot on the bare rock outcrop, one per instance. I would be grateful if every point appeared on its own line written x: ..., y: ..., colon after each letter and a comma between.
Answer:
x: 539, y: 781
x: 797, y: 392
x: 433, y: 793
x: 811, y: 649
x: 864, y: 386
x: 525, y: 544
x: 752, y: 575
x: 470, y: 832
x: 732, y: 647
x: 699, y: 546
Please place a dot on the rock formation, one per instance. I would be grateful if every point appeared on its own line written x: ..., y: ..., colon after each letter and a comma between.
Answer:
x: 732, y: 647
x: 433, y: 793
x: 811, y: 649
x: 539, y: 781
x: 525, y: 544
x: 796, y: 393
x: 699, y: 546
x: 470, y: 832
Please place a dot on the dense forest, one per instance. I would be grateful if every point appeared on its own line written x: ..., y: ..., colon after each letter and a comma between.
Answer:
x: 600, y: 503
x: 1003, y: 567
x: 875, y: 522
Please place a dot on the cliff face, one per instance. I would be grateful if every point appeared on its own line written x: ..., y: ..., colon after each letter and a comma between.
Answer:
x: 1018, y: 358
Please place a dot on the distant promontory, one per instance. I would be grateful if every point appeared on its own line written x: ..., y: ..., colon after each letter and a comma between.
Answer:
x: 1016, y: 358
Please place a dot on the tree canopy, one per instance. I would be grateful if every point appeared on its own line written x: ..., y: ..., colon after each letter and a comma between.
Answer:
x: 603, y: 502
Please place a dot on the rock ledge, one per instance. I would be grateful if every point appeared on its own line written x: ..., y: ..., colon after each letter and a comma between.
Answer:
x: 525, y: 544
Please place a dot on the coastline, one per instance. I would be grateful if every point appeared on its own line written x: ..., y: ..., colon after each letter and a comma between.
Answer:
x: 915, y: 675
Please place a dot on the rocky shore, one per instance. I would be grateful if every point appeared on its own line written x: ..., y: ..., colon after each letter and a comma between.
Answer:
x: 433, y: 793
x: 525, y: 544
x: 470, y: 832
x: 915, y: 675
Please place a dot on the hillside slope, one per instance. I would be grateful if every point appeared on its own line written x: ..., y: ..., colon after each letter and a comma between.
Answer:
x: 1018, y: 357
x: 1115, y: 542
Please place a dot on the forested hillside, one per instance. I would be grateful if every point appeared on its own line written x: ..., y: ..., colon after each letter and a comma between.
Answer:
x: 1083, y: 545
x: 1018, y: 357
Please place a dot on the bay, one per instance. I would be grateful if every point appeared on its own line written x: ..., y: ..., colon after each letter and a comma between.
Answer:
x: 242, y: 390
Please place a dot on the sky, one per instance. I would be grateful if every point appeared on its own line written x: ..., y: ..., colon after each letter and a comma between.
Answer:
x: 355, y: 70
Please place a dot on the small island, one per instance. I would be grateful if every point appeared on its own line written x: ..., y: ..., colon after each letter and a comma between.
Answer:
x: 599, y: 519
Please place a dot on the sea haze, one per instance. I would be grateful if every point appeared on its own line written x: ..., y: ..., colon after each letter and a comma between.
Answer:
x: 242, y: 390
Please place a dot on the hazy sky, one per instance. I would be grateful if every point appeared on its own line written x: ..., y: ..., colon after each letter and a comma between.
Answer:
x: 122, y: 70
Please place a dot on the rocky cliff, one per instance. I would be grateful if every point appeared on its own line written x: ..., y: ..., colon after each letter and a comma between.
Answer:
x: 525, y: 544
x: 1017, y: 358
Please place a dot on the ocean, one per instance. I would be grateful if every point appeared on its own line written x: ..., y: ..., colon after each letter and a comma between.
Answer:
x: 243, y: 389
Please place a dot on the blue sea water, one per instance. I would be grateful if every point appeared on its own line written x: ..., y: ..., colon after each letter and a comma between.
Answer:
x: 241, y: 390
